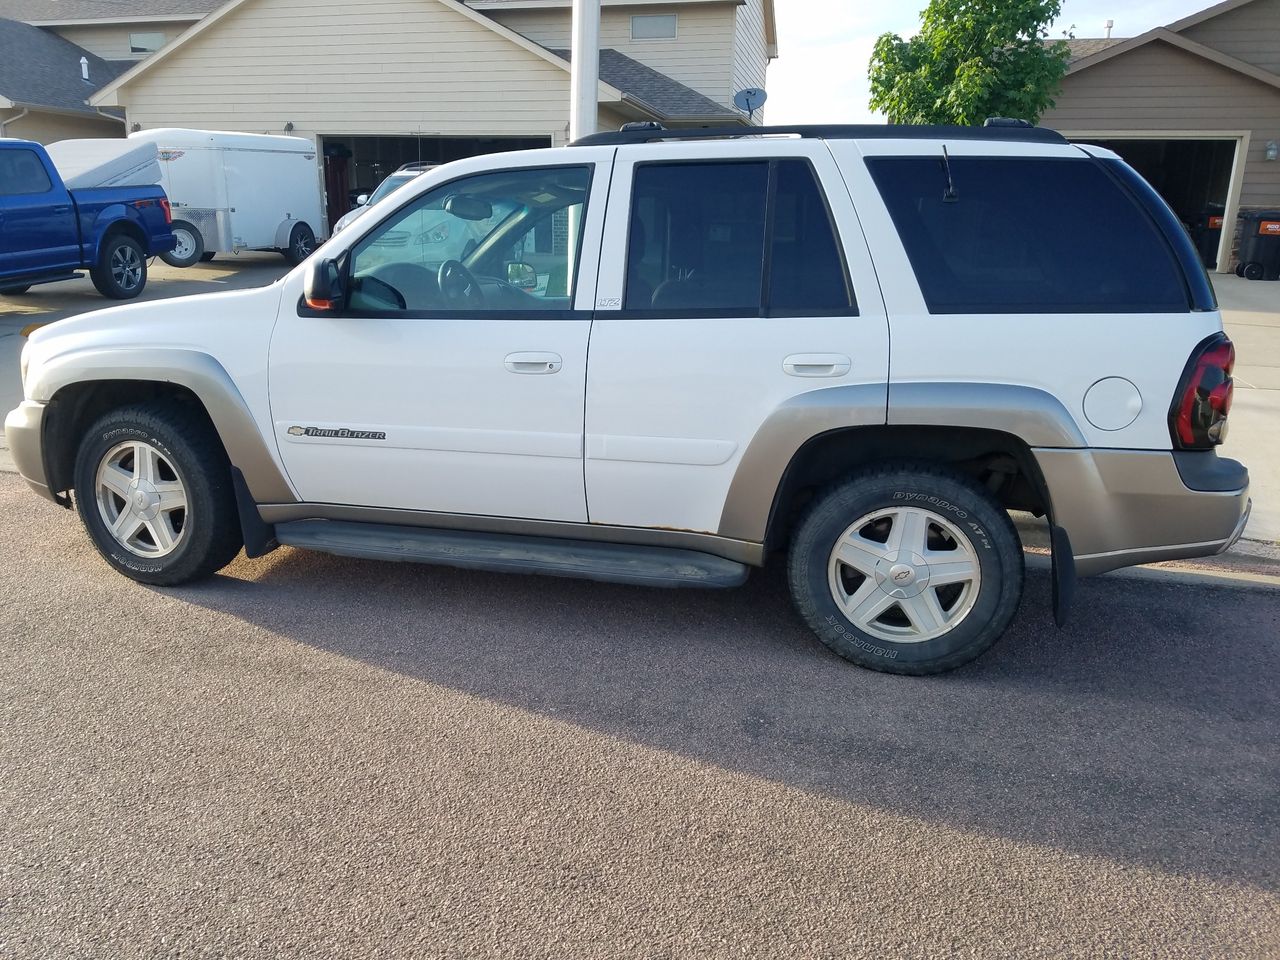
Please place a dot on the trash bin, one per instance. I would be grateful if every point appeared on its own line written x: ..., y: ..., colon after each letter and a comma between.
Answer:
x: 1260, y: 245
x: 1207, y: 232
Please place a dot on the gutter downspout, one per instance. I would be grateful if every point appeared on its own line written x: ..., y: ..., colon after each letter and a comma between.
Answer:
x: 5, y: 123
x: 107, y: 116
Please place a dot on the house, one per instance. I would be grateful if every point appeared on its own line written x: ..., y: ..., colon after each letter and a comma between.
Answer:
x: 380, y: 84
x: 1195, y: 107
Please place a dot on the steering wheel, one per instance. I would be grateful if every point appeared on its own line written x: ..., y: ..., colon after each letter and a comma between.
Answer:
x: 457, y: 285
x: 376, y: 288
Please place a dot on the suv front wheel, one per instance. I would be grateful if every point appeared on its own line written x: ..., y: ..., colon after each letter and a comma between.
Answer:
x: 911, y: 570
x: 153, y: 488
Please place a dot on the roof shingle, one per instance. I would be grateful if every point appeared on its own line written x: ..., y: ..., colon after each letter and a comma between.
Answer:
x: 67, y: 11
x: 667, y: 97
x: 40, y: 69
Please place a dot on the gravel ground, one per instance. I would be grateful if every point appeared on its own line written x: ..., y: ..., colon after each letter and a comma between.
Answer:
x: 316, y: 757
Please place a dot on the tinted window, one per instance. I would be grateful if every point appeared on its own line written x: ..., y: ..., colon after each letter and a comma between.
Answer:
x: 510, y: 239
x: 21, y: 172
x: 697, y: 237
x: 1028, y: 236
x: 807, y: 271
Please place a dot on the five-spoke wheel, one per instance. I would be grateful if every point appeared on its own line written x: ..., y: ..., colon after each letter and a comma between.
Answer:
x: 142, y: 499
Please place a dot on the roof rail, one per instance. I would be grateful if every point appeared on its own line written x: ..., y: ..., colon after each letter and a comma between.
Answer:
x: 881, y: 131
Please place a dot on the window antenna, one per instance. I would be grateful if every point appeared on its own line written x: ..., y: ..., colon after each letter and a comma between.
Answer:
x: 949, y: 195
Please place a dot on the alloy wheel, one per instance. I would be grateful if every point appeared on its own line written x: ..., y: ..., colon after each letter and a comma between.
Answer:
x: 142, y: 499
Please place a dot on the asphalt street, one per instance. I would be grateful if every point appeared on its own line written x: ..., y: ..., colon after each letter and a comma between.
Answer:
x: 309, y: 756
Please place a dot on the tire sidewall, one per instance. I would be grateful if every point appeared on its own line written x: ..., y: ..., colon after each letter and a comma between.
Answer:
x: 105, y: 435
x: 988, y: 530
x: 103, y: 279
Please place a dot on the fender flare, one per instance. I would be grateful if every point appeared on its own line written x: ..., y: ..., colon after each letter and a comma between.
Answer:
x: 198, y: 372
x: 284, y: 231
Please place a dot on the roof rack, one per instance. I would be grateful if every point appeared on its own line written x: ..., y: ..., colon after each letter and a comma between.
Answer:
x: 993, y: 131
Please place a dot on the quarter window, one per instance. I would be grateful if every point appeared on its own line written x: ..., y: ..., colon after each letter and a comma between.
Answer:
x: 1024, y: 235
x: 654, y: 26
x: 732, y: 239
x: 503, y: 241
x: 22, y: 173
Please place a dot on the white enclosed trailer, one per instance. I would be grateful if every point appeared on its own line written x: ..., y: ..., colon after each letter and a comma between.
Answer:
x: 239, y: 191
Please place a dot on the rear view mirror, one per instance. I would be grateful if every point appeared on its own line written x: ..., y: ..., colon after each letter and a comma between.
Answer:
x: 468, y: 208
x: 362, y: 200
x: 522, y: 275
x: 324, y: 289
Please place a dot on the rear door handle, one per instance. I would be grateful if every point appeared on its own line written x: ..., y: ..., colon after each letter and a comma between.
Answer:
x: 816, y: 365
x: 533, y: 363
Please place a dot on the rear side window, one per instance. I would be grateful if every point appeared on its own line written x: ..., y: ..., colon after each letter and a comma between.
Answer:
x: 21, y: 172
x: 733, y: 239
x: 1028, y: 236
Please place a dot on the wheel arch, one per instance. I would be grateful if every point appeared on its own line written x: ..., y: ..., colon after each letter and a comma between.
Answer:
x: 81, y: 386
x: 284, y: 232
x: 122, y: 226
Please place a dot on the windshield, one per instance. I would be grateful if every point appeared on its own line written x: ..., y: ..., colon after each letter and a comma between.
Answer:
x: 393, y: 182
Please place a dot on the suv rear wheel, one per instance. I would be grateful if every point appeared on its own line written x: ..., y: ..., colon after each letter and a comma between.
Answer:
x: 911, y: 570
x: 153, y: 488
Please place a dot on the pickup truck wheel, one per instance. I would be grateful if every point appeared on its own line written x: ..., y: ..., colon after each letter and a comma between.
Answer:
x: 190, y: 248
x: 302, y: 242
x: 121, y: 272
x: 14, y: 291
x: 910, y: 570
x: 153, y: 488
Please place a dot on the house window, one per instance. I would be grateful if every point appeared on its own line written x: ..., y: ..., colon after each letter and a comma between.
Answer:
x: 656, y: 26
x: 145, y: 42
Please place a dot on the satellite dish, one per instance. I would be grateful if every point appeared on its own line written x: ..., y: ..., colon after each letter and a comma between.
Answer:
x: 750, y: 100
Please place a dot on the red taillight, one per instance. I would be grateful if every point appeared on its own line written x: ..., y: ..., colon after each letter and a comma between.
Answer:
x: 1198, y: 419
x: 168, y: 211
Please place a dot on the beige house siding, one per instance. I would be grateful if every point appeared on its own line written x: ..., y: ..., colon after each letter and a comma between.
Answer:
x: 397, y: 67
x: 111, y: 41
x: 1162, y: 88
x: 51, y: 127
x: 751, y: 56
x: 1250, y: 33
x: 701, y: 56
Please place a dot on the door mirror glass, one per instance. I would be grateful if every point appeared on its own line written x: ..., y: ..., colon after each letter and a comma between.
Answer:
x: 362, y: 200
x: 468, y: 208
x: 522, y: 275
x: 324, y: 289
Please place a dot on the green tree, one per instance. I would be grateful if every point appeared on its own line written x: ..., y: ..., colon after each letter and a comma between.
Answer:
x: 972, y: 59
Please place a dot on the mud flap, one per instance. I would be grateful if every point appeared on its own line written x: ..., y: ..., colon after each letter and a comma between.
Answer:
x: 259, y: 536
x: 1064, y: 576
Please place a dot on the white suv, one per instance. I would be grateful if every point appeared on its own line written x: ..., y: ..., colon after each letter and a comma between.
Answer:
x: 661, y: 357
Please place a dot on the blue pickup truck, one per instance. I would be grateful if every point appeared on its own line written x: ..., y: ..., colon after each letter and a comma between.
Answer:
x: 48, y: 232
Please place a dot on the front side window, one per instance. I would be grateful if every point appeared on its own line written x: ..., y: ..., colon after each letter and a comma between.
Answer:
x: 1027, y: 235
x: 502, y: 241
x: 648, y: 26
x: 22, y: 173
x: 733, y: 239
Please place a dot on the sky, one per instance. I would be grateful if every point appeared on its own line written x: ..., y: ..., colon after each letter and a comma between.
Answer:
x: 825, y: 45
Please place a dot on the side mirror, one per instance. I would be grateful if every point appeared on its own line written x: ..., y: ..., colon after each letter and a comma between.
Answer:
x: 324, y: 289
x: 522, y: 275
x: 362, y: 200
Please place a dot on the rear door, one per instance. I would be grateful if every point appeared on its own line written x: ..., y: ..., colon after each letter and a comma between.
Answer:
x: 37, y: 218
x: 734, y: 278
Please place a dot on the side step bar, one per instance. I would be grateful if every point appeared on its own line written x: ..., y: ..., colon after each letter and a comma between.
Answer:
x: 580, y: 559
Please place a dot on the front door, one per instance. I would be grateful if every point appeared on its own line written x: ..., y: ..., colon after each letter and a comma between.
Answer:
x: 726, y: 292
x: 38, y: 231
x: 454, y: 380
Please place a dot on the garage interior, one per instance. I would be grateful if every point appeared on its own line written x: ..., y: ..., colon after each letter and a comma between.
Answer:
x: 1193, y: 176
x: 357, y: 164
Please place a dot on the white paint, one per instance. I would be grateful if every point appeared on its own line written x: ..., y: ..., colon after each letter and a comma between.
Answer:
x: 1112, y: 403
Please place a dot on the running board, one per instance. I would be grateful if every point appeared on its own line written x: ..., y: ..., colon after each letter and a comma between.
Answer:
x: 501, y: 553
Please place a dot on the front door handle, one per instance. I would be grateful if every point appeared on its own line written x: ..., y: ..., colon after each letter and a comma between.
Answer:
x: 816, y: 365
x: 534, y: 363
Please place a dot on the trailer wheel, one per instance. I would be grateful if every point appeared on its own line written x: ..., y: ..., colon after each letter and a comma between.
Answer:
x: 206, y: 257
x: 302, y: 241
x: 190, y: 246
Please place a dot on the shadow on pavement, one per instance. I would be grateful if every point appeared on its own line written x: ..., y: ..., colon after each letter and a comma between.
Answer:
x: 1144, y: 733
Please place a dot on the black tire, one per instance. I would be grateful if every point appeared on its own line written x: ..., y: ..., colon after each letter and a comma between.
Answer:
x: 302, y: 243
x: 190, y: 240
x: 121, y: 271
x: 209, y: 536
x: 14, y: 291
x: 1239, y: 269
x: 966, y: 508
x: 206, y: 257
x: 1253, y: 271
